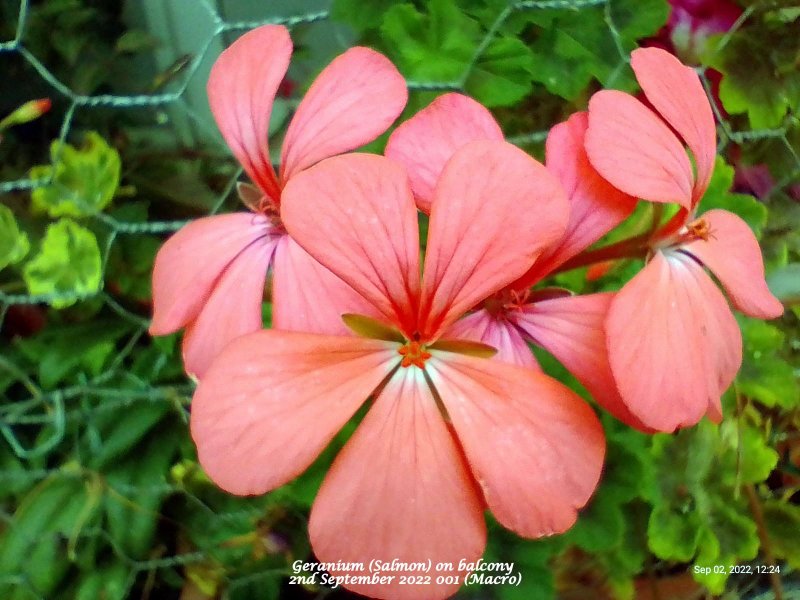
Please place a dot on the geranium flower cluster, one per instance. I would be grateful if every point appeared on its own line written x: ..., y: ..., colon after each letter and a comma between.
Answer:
x: 461, y: 417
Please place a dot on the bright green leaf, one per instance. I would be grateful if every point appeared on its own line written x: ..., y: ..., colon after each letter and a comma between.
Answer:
x: 84, y: 179
x: 757, y: 79
x: 68, y: 262
x: 14, y: 243
x: 439, y: 46
x: 758, y: 458
x: 432, y: 47
x: 502, y: 76
x: 718, y: 195
x: 673, y: 535
x: 710, y: 556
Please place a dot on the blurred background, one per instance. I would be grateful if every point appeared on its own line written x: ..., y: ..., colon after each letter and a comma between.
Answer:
x: 107, y: 146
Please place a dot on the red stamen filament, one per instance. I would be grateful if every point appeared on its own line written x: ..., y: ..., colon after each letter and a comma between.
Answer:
x: 272, y: 212
x: 517, y: 299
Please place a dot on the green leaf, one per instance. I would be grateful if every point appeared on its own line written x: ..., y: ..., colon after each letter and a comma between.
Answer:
x: 108, y: 583
x: 757, y: 457
x: 570, y: 52
x: 136, y: 40
x: 707, y: 558
x: 600, y: 525
x: 430, y: 47
x: 130, y: 266
x: 68, y: 262
x: 718, y: 195
x: 673, y: 535
x: 14, y: 243
x: 785, y: 283
x: 766, y: 374
x: 759, y: 71
x: 698, y: 512
x: 124, y: 434
x: 45, y: 526
x: 84, y: 179
x: 783, y: 522
x: 361, y: 15
x: 439, y: 46
x: 530, y: 557
x: 638, y: 19
x: 52, y: 350
x: 502, y: 75
x: 627, y: 476
x: 730, y: 538
x: 133, y: 518
x: 735, y: 530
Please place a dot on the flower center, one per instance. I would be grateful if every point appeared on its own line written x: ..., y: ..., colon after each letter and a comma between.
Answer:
x: 413, y: 353
x: 267, y: 208
x: 506, y: 301
x: 699, y: 229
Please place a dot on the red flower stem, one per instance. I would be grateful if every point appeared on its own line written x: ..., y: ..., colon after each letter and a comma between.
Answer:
x: 766, y: 547
x: 635, y: 247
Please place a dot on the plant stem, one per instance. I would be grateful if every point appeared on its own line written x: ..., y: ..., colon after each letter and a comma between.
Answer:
x: 635, y: 247
x: 766, y: 547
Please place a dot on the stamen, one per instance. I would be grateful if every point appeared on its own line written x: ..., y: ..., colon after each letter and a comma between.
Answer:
x: 700, y: 229
x: 413, y: 353
x: 517, y: 299
x: 272, y: 212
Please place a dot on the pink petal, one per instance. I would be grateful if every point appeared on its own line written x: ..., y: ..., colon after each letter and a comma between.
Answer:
x: 354, y: 100
x: 308, y: 297
x: 596, y: 207
x: 425, y: 142
x: 241, y: 89
x: 189, y: 263
x: 571, y: 329
x: 534, y: 446
x: 233, y: 308
x: 495, y: 209
x: 733, y: 254
x: 272, y: 400
x: 355, y: 214
x: 400, y: 490
x: 499, y: 333
x: 677, y: 94
x: 635, y: 151
x: 674, y: 346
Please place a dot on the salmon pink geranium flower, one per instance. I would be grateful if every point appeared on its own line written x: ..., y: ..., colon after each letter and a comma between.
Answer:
x: 674, y: 345
x: 209, y: 277
x: 569, y: 327
x: 449, y: 432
